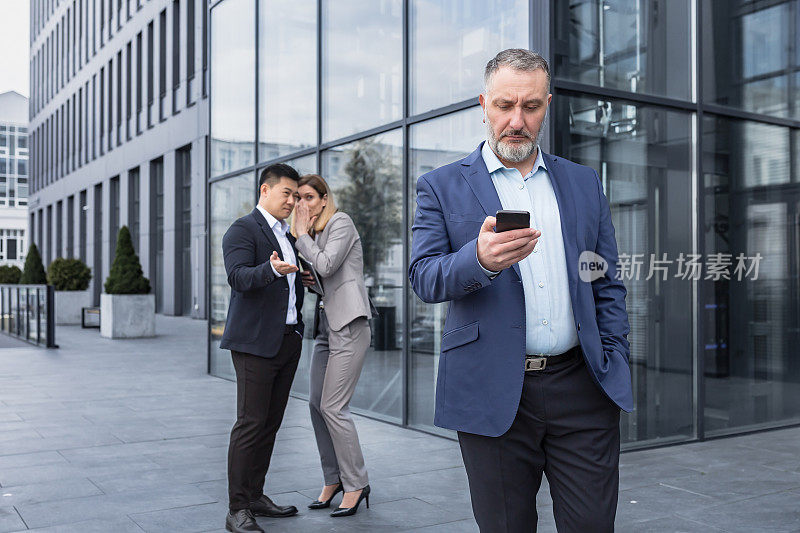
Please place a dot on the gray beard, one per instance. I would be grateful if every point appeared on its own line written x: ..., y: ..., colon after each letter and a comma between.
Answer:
x: 515, y: 153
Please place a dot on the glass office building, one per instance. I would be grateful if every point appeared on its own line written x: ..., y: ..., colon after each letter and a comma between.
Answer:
x: 689, y: 110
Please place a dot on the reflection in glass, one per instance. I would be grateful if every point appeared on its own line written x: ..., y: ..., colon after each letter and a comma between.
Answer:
x: 632, y: 45
x: 434, y: 143
x: 287, y: 115
x: 643, y: 157
x: 232, y: 86
x: 366, y: 179
x: 451, y: 43
x: 752, y: 369
x: 362, y: 65
x: 751, y: 61
x: 230, y: 199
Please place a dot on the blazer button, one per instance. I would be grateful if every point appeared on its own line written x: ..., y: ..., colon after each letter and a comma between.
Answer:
x: 579, y: 326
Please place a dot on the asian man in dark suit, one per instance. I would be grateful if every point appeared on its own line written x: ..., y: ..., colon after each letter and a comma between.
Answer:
x: 264, y: 332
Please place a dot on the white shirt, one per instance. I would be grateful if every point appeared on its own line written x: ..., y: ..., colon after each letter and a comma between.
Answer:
x: 280, y: 228
x: 549, y: 323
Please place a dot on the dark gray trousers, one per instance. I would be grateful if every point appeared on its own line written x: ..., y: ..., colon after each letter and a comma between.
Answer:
x: 565, y: 428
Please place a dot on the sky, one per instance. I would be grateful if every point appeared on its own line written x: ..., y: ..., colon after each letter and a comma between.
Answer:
x: 14, y: 46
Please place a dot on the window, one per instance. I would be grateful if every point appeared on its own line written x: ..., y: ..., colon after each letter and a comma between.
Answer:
x: 232, y: 119
x: 183, y: 229
x: 97, y: 259
x: 150, y: 74
x: 462, y: 44
x: 102, y: 109
x: 128, y: 102
x: 59, y: 225
x: 82, y: 208
x: 176, y: 50
x: 71, y: 227
x: 113, y: 217
x: 162, y: 63
x: 287, y: 60
x: 190, y: 47
x: 133, y: 206
x: 110, y: 86
x: 157, y: 230
x: 353, y: 103
x: 138, y: 82
x: 119, y: 97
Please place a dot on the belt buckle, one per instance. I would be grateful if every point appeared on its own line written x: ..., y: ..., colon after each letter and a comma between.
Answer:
x: 535, y: 363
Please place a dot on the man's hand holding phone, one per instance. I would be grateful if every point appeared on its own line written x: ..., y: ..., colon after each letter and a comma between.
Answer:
x: 498, y: 251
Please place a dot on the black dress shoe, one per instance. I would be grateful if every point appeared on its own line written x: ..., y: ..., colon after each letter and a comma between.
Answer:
x: 317, y: 504
x: 266, y: 507
x: 242, y: 521
x: 348, y: 511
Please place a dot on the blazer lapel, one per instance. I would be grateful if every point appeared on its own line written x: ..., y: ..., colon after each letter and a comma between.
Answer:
x: 569, y: 217
x: 477, y: 176
x: 262, y: 223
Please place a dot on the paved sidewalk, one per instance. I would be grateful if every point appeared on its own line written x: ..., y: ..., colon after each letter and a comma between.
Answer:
x: 131, y: 436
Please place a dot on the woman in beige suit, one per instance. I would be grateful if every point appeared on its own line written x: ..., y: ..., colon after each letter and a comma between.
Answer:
x: 328, y: 239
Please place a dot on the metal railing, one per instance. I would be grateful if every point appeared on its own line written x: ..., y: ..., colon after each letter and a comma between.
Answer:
x: 27, y: 312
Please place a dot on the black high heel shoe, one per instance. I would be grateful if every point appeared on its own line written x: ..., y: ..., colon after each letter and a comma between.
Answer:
x: 316, y: 504
x: 349, y: 511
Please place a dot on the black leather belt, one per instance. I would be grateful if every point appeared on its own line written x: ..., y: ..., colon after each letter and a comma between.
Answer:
x: 290, y: 328
x: 540, y: 362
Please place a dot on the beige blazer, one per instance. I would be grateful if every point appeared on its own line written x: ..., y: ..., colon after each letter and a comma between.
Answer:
x: 337, y: 257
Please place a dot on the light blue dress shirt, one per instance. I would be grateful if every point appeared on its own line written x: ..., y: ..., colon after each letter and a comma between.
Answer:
x: 550, y: 326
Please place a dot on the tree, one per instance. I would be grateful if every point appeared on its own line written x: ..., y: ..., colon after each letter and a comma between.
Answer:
x: 373, y: 200
x: 69, y: 274
x: 10, y: 274
x: 126, y: 276
x: 33, y: 273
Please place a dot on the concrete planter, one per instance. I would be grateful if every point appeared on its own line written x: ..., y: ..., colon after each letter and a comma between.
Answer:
x: 126, y: 316
x: 68, y: 306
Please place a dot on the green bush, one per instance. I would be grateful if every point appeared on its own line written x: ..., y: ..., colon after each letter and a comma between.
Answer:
x: 10, y: 274
x: 126, y: 276
x: 33, y: 273
x: 69, y: 275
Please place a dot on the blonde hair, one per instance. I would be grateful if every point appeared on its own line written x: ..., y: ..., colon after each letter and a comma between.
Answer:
x: 318, y: 183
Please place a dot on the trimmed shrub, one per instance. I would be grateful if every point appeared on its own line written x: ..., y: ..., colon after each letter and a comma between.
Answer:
x: 10, y: 274
x: 69, y: 275
x: 126, y: 276
x: 33, y: 273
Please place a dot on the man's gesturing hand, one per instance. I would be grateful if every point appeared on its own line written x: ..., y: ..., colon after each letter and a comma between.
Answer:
x: 282, y: 267
x: 498, y: 251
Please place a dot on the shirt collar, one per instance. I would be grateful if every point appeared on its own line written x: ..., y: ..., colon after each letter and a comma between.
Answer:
x: 493, y: 163
x: 273, y: 222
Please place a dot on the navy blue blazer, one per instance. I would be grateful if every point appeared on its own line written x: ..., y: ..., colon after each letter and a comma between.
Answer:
x: 481, y: 369
x: 259, y: 299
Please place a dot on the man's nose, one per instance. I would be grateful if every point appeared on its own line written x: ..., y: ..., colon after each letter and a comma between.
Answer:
x: 516, y: 121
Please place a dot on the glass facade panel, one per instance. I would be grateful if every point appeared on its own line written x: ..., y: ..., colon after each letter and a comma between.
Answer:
x: 230, y: 199
x: 625, y: 82
x: 287, y: 40
x: 232, y: 86
x: 751, y: 61
x: 752, y: 205
x: 367, y: 182
x: 451, y: 42
x: 632, y: 45
x: 432, y: 143
x: 643, y: 156
x: 362, y: 65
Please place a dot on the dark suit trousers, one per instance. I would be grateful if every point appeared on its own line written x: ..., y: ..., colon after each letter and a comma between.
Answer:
x: 262, y: 391
x: 565, y: 428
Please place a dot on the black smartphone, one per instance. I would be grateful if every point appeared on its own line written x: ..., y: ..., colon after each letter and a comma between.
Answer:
x: 508, y: 220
